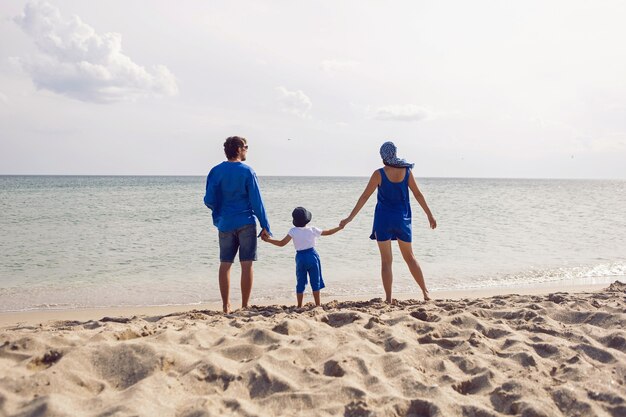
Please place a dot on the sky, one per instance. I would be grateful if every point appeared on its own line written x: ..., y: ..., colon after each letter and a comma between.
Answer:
x: 496, y: 89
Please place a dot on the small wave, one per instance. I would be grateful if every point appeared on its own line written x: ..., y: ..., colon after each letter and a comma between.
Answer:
x: 568, y: 273
x: 593, y: 274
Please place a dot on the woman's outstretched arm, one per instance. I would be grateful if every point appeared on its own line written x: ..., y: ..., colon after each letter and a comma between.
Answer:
x: 422, y: 201
x: 369, y: 189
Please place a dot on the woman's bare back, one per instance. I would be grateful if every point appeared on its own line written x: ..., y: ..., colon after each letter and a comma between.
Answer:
x: 395, y: 174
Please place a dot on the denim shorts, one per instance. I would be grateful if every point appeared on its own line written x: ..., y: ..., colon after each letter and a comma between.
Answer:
x: 242, y: 240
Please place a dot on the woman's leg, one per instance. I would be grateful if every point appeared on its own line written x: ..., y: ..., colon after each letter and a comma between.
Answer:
x: 386, y: 273
x: 407, y: 253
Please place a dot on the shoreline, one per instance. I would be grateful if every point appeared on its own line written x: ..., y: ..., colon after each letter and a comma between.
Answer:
x: 38, y: 317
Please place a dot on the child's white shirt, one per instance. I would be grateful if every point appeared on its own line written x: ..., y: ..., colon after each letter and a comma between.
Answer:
x: 304, y: 237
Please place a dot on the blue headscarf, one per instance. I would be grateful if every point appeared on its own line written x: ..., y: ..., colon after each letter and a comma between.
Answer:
x: 388, y: 153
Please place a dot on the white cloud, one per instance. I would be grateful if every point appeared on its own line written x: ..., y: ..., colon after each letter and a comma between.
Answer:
x: 332, y: 66
x: 402, y: 113
x: 612, y: 142
x: 76, y: 61
x: 3, y: 98
x: 295, y: 102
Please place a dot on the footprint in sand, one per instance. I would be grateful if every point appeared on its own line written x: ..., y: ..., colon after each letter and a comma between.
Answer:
x: 422, y: 315
x: 125, y: 365
x: 341, y: 319
x: 213, y: 374
x: 513, y: 398
x: 545, y: 350
x: 569, y: 403
x: 262, y: 383
x: 392, y: 344
x: 290, y: 327
x: 594, y: 353
x: 334, y: 369
x: 479, y: 383
x: 495, y: 333
x: 47, y: 360
x: 471, y: 410
x: 614, y: 341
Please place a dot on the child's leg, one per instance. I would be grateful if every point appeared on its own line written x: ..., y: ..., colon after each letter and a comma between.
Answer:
x: 300, y: 278
x: 316, y: 297
x: 299, y: 296
x: 315, y: 277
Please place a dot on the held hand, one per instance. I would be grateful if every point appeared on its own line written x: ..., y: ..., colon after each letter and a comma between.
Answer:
x: 433, y: 222
x: 265, y: 235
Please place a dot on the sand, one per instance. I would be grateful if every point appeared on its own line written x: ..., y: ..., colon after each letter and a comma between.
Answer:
x: 557, y: 354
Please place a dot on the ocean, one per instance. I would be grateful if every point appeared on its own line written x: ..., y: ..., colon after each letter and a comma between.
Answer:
x: 70, y: 242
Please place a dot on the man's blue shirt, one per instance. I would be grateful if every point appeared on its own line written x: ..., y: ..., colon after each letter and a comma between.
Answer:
x: 232, y: 193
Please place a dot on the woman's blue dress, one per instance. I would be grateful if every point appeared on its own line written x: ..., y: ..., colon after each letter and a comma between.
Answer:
x: 392, y: 217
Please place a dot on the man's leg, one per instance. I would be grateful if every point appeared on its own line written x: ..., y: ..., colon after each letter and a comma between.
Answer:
x: 247, y: 277
x: 247, y: 254
x: 224, y: 275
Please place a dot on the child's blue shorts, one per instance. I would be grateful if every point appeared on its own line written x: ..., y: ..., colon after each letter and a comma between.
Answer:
x: 308, y: 262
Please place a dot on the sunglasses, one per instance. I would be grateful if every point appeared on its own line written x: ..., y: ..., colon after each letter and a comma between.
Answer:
x: 245, y: 147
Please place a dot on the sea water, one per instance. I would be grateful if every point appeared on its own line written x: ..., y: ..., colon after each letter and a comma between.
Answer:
x: 85, y: 241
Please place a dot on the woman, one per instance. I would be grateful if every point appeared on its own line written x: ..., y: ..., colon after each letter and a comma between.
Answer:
x: 392, y: 217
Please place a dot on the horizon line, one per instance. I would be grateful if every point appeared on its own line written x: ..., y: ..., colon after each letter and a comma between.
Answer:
x: 313, y: 176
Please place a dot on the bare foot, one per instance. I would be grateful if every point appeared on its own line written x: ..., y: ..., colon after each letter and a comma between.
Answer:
x: 393, y: 301
x: 226, y: 308
x: 427, y: 296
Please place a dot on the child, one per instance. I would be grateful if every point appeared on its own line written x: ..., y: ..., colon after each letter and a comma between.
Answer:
x: 307, y: 258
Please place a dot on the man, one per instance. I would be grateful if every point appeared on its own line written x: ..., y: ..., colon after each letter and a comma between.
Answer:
x: 232, y: 193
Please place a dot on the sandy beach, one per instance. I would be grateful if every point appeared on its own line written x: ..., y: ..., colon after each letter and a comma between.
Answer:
x: 551, y: 354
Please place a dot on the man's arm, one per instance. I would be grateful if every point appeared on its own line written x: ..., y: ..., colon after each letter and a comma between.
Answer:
x: 210, y: 195
x: 275, y: 242
x: 256, y: 201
